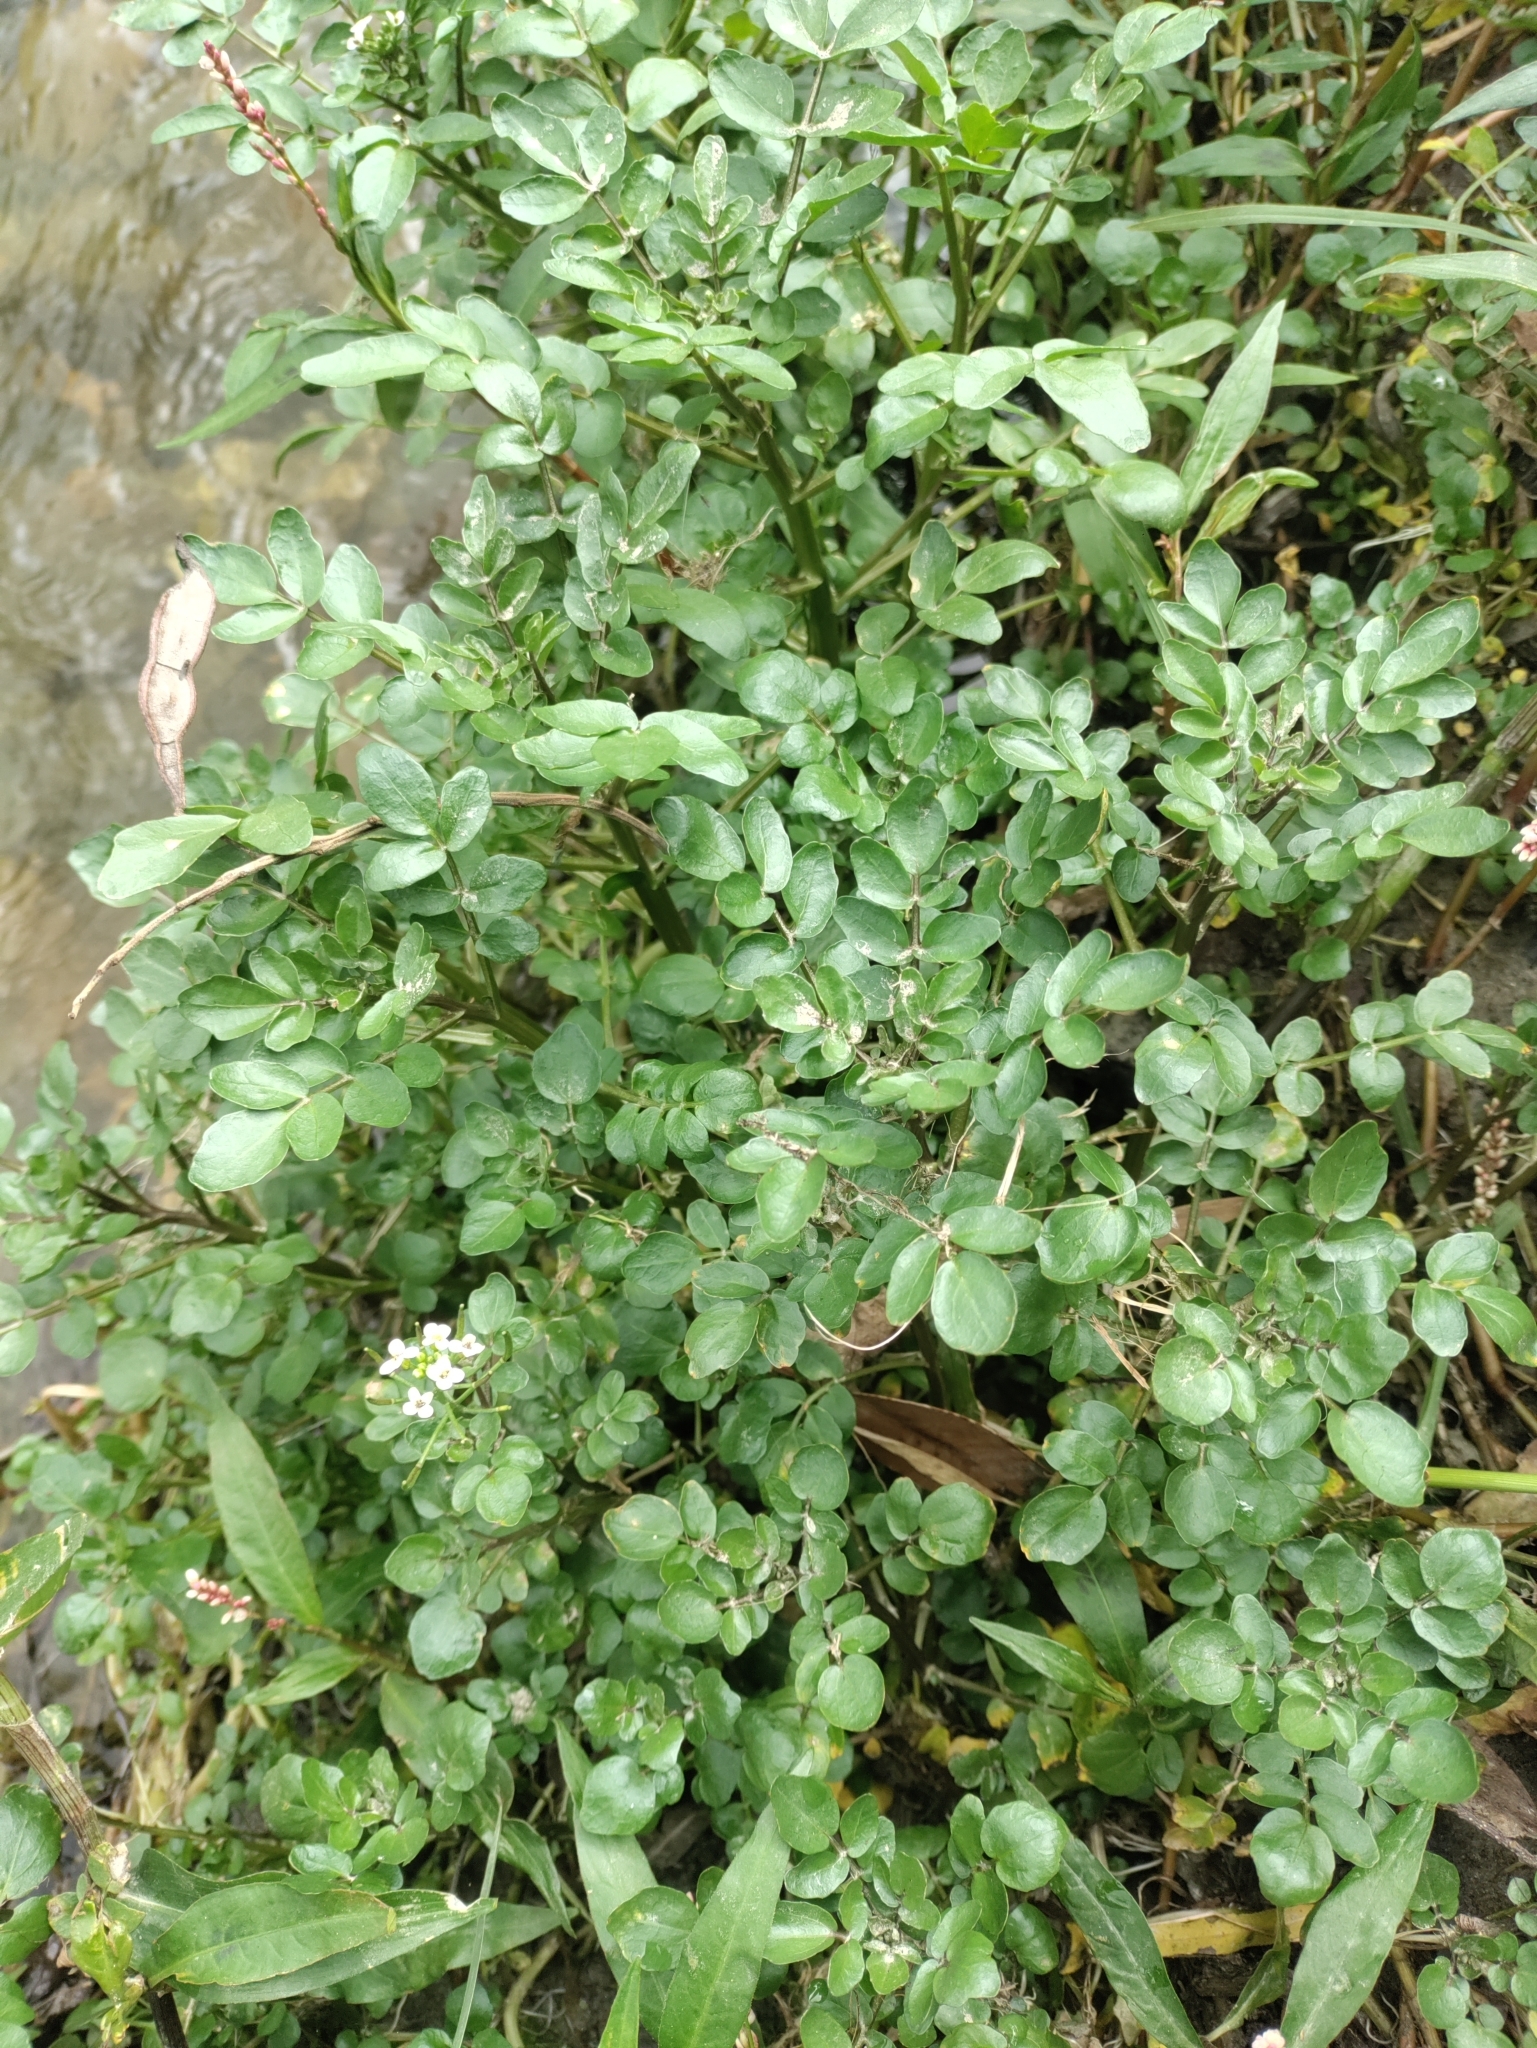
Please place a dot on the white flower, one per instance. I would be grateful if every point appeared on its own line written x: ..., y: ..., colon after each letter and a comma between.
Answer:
x: 1526, y: 845
x: 355, y: 40
x: 436, y: 1333
x: 419, y: 1403
x: 466, y: 1346
x: 1271, y: 2038
x: 444, y: 1375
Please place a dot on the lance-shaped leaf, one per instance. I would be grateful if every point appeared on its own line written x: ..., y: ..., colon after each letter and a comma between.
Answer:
x: 258, y: 1527
x: 1350, y: 1933
x: 711, y: 1996
x: 1234, y: 410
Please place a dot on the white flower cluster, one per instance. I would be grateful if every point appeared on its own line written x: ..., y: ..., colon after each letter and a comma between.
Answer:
x: 434, y: 1360
x: 368, y: 24
x: 1526, y: 845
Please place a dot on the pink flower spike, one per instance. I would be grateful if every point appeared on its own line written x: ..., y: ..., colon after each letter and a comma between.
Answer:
x: 1526, y: 845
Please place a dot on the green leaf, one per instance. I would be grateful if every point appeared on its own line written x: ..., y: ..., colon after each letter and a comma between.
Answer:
x: 682, y: 985
x: 1506, y: 1319
x: 314, y: 1127
x: 1350, y: 1933
x: 526, y: 1849
x: 852, y: 1694
x: 147, y: 856
x: 659, y: 84
x: 374, y: 356
x: 307, y: 1676
x: 997, y: 564
x: 445, y: 1636
x: 974, y: 1305
x: 1144, y: 491
x: 1102, y: 1596
x: 703, y: 615
x: 32, y: 1571
x: 1237, y: 406
x: 1086, y: 1238
x: 259, y: 1940
x: 1384, y: 1452
x: 1025, y: 1841
x: 1062, y: 1525
x: 989, y: 1228
x: 1206, y: 1656
x: 1349, y: 1175
x: 1436, y: 1762
x: 1120, y: 1940
x: 1057, y: 1662
x: 1095, y: 386
x: 753, y: 95
x: 567, y: 1067
x: 1135, y: 981
x: 1510, y: 268
x: 1293, y: 1860
x: 789, y: 1195
x: 399, y: 789
x: 1148, y: 37
x: 239, y: 1150
x: 30, y: 1840
x: 378, y: 1097
x: 622, y: 2027
x: 1240, y: 156
x: 1518, y: 88
x: 711, y: 1996
x: 613, y: 1867
x: 1453, y: 834
x: 800, y: 1930
x: 282, y: 825
x: 806, y: 1812
x: 619, y: 1798
x: 258, y: 1527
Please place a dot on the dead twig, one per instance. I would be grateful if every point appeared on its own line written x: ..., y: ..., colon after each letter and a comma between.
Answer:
x: 178, y: 633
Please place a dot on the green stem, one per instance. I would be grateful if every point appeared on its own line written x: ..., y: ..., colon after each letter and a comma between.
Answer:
x: 666, y: 918
x: 1455, y: 1479
x: 1006, y: 277
x: 1430, y: 1407
x: 887, y: 305
x: 960, y: 277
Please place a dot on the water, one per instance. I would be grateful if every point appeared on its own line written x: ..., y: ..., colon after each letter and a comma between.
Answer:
x: 127, y: 274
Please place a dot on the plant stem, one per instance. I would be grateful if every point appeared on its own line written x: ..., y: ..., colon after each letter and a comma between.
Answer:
x: 666, y: 918
x: 1456, y: 1479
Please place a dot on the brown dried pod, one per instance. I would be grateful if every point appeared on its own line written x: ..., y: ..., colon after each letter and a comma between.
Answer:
x: 178, y: 633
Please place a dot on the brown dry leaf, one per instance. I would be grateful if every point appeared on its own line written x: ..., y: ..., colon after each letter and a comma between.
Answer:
x: 1080, y: 903
x: 178, y: 634
x: 1221, y: 1930
x: 1518, y: 1716
x: 1505, y: 1511
x: 1524, y: 327
x: 1501, y: 1808
x: 869, y: 1333
x: 933, y: 1447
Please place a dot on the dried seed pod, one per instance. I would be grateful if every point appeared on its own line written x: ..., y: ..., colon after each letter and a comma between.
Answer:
x: 178, y: 634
